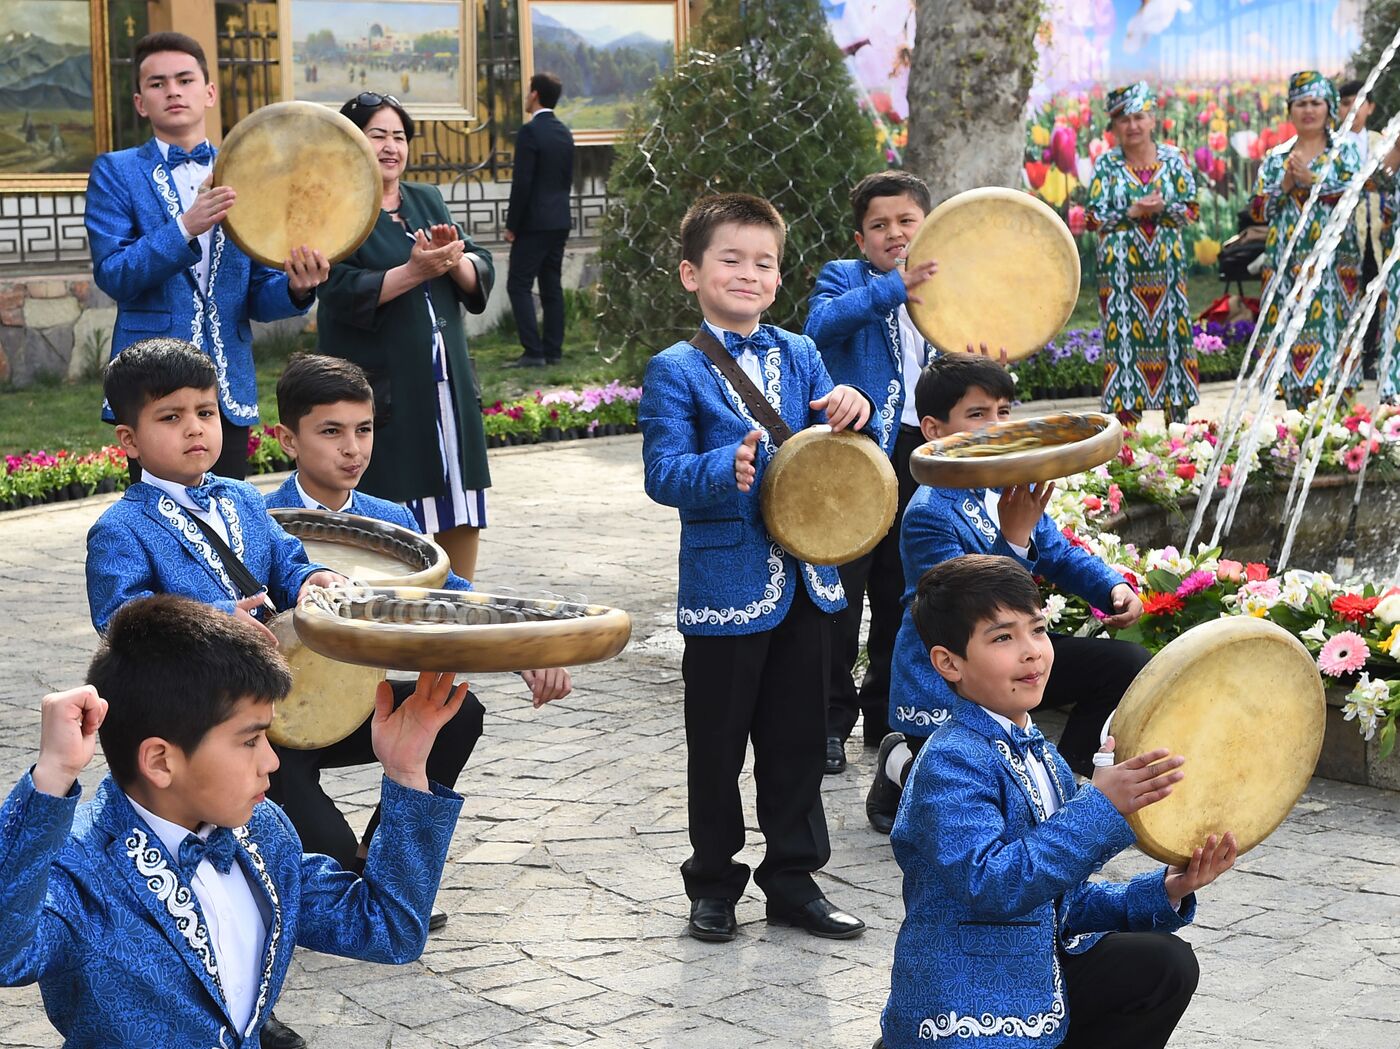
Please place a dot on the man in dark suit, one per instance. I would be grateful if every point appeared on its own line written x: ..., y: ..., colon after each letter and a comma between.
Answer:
x: 538, y: 222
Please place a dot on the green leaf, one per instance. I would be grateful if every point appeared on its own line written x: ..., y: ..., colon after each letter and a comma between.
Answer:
x: 1162, y: 581
x: 1387, y: 740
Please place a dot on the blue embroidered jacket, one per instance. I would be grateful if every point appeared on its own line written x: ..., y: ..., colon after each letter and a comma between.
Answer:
x: 286, y: 496
x: 734, y: 577
x: 992, y: 886
x: 852, y: 317
x: 100, y: 915
x: 140, y: 259
x: 943, y: 523
x: 147, y: 544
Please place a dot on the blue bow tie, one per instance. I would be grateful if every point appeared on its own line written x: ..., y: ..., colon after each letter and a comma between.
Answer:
x: 1029, y: 742
x: 217, y: 849
x: 759, y: 341
x: 201, y: 154
x: 202, y: 495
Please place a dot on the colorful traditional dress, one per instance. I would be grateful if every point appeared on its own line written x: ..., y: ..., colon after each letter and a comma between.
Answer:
x: 1150, y: 359
x: 1312, y: 355
x: 1389, y: 339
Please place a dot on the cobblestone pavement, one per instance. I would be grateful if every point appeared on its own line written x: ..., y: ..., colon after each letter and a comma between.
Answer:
x: 567, y: 910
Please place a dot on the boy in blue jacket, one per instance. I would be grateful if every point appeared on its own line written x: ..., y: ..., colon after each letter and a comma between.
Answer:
x: 959, y: 392
x: 859, y: 319
x: 1003, y: 938
x: 757, y: 622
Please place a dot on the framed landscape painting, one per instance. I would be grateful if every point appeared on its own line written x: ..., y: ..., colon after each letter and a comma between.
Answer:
x: 607, y: 53
x: 423, y: 52
x: 53, y: 92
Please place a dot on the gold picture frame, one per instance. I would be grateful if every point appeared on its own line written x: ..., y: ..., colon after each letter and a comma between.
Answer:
x: 394, y: 55
x: 571, y: 37
x: 52, y: 92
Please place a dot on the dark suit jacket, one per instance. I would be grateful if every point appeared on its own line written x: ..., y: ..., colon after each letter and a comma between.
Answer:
x: 543, y: 177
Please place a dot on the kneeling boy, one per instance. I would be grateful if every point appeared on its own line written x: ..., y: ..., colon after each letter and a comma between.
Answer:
x: 166, y: 912
x: 1001, y: 942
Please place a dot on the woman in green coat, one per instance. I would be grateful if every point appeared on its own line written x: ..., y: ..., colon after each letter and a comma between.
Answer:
x: 394, y: 308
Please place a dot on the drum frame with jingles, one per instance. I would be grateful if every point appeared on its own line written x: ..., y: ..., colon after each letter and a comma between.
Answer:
x: 1021, y: 451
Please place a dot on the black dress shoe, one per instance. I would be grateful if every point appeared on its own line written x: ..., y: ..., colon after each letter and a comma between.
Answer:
x: 277, y: 1035
x: 712, y: 920
x: 437, y: 919
x: 525, y: 362
x: 882, y: 801
x: 821, y: 918
x: 835, y: 755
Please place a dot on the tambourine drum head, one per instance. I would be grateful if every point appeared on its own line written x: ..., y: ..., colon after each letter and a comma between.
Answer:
x: 1019, y: 452
x: 829, y: 498
x: 329, y: 700
x: 305, y: 175
x: 365, y: 549
x: 1008, y: 272
x: 1241, y: 700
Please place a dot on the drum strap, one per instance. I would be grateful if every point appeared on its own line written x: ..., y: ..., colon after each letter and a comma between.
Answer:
x: 758, y: 405
x: 246, y: 582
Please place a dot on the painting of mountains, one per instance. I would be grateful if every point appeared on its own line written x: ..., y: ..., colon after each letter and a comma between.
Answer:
x: 607, y: 53
x: 46, y: 110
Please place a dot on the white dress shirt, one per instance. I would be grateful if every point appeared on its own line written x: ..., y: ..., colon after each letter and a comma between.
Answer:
x: 748, y: 360
x: 182, y: 498
x: 913, y: 356
x: 237, y: 917
x: 992, y: 501
x: 188, y: 178
x: 312, y: 504
x: 1040, y: 775
x: 542, y: 109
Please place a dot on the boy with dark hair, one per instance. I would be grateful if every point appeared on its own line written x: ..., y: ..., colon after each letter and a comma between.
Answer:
x: 1003, y: 940
x: 167, y: 911
x: 326, y: 408
x: 860, y: 322
x: 159, y: 249
x: 756, y: 620
x: 956, y: 393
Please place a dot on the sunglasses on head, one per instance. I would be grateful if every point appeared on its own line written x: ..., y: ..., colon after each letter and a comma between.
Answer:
x: 369, y: 100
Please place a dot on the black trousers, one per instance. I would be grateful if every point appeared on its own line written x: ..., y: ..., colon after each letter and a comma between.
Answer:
x: 880, y: 574
x: 1370, y: 342
x: 769, y: 687
x: 1128, y: 991
x: 296, y: 785
x: 232, y: 461
x: 538, y: 255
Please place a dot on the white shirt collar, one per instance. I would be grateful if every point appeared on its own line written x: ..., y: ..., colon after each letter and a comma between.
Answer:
x: 542, y: 109
x: 312, y: 504
x: 173, y: 489
x: 170, y: 834
x: 1007, y: 723
x: 718, y: 332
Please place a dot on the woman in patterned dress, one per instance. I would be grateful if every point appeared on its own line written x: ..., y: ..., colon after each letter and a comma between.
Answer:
x: 1285, y: 181
x: 1141, y: 197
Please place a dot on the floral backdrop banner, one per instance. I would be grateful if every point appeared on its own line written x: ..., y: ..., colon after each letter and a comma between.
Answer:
x: 1219, y: 67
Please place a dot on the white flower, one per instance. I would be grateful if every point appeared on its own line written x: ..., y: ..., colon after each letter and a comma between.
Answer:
x: 1366, y: 703
x: 1202, y: 452
x: 1177, y: 431
x: 1316, y: 633
x: 1388, y: 611
x: 1294, y: 593
x: 1338, y: 432
x: 1054, y: 608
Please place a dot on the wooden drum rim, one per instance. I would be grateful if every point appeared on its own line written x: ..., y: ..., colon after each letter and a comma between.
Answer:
x: 1044, y: 463
x: 378, y: 536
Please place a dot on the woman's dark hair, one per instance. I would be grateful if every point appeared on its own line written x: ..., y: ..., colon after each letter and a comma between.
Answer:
x: 363, y: 106
x: 954, y: 597
x: 888, y: 184
x: 946, y: 380
x: 154, y: 368
x: 313, y: 379
x: 174, y: 668
x: 548, y: 87
x: 155, y: 43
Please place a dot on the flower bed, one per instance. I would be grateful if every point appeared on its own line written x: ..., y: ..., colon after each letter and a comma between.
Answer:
x: 44, y: 477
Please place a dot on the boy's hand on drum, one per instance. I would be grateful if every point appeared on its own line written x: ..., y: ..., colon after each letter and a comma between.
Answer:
x: 1020, y: 509
x: 211, y: 204
x: 322, y: 577
x: 744, y: 469
x: 547, y: 685
x: 982, y: 351
x: 307, y: 270
x: 67, y: 738
x: 1208, y: 862
x: 243, y: 610
x: 1127, y: 608
x: 916, y: 275
x: 1139, y: 781
x: 402, y: 738
x: 845, y: 407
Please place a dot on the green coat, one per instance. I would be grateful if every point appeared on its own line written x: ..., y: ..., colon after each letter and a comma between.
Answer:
x: 393, y: 343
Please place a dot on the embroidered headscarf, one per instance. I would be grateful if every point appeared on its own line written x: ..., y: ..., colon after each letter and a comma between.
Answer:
x: 1312, y: 84
x: 1132, y: 98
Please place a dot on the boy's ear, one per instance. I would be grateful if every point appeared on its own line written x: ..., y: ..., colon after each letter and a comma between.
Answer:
x: 156, y: 761
x: 690, y: 275
x: 126, y: 439
x: 287, y: 438
x: 931, y: 428
x: 946, y: 662
x: 860, y: 242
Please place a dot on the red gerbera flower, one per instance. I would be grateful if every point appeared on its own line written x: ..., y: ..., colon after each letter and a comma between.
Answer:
x: 1354, y: 608
x: 1161, y: 604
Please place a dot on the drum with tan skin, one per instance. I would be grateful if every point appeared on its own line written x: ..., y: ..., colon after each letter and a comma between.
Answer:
x: 1242, y: 701
x: 305, y: 176
x: 1022, y: 451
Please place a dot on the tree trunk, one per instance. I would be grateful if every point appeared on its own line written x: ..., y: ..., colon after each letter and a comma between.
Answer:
x: 968, y: 84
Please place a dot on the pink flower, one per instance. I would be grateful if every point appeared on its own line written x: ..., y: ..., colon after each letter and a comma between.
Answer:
x: 1354, y: 457
x: 1195, y: 583
x: 1265, y: 588
x: 1230, y: 571
x: 1093, y: 503
x: 1125, y: 455
x: 1226, y: 472
x: 1115, y: 498
x: 1343, y: 654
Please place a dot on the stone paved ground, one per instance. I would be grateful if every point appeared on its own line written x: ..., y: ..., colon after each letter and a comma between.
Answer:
x: 567, y: 910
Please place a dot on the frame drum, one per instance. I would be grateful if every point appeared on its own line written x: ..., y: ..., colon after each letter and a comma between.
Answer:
x: 1242, y: 701
x: 304, y: 175
x: 366, y: 549
x: 827, y: 497
x: 328, y: 700
x: 1008, y: 272
x: 1021, y: 451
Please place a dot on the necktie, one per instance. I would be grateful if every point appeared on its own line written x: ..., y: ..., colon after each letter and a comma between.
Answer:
x: 202, y: 496
x: 217, y: 849
x: 759, y: 341
x: 201, y: 154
